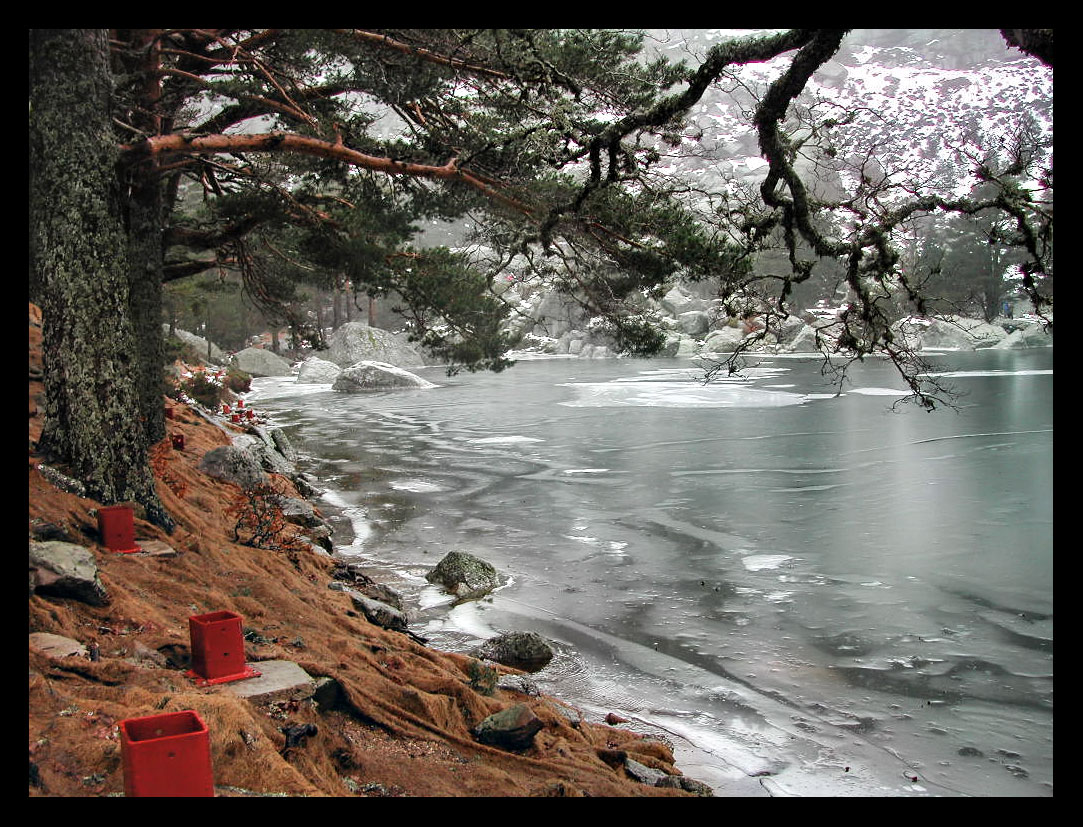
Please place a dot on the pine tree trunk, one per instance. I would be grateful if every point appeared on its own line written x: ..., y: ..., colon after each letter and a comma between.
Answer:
x: 145, y: 300
x: 145, y: 206
x: 79, y: 255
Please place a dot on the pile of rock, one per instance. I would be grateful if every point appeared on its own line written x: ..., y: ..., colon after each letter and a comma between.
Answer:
x: 698, y: 326
x: 247, y: 461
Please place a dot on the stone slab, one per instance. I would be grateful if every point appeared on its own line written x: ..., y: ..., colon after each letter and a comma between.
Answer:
x: 281, y: 680
x: 57, y: 646
x: 155, y: 548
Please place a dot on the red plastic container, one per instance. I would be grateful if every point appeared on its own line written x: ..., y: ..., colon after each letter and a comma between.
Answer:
x: 235, y: 417
x: 117, y: 527
x: 178, y: 441
x: 217, y: 649
x: 225, y: 409
x: 166, y: 755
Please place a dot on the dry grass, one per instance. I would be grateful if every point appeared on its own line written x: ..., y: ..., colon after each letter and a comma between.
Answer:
x: 403, y: 728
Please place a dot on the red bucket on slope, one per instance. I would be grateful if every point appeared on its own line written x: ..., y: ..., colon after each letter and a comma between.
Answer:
x: 217, y: 649
x: 166, y: 755
x: 116, y: 523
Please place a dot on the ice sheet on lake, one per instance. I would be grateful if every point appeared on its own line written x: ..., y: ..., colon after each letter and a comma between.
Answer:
x: 670, y: 394
x: 283, y: 387
x: 417, y: 486
x: 612, y: 546
x: 504, y: 440
x: 953, y: 374
x: 359, y: 522
x: 760, y: 562
x: 878, y: 391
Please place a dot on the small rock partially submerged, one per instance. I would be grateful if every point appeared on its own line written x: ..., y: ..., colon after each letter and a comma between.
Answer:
x: 464, y: 575
x: 527, y: 651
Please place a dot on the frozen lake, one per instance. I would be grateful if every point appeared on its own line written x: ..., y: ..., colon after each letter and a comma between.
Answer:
x: 807, y: 594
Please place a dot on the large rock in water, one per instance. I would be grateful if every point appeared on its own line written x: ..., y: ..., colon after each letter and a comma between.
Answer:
x: 358, y: 342
x: 317, y: 371
x: 694, y: 322
x: 1030, y: 336
x: 464, y: 575
x: 948, y: 333
x: 199, y: 344
x: 259, y: 362
x: 677, y: 301
x: 377, y: 376
x: 723, y: 340
x: 803, y: 342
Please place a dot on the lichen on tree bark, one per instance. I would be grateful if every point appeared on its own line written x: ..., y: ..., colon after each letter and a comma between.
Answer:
x: 79, y: 256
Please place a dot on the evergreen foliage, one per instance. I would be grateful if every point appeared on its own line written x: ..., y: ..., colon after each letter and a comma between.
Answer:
x: 286, y: 159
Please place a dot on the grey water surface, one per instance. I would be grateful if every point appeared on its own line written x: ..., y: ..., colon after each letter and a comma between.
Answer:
x: 806, y: 593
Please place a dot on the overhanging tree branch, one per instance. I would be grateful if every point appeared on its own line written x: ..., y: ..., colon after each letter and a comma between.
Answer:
x: 334, y: 150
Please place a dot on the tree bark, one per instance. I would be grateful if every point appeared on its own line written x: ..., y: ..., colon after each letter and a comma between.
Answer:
x: 79, y: 257
x: 145, y: 251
